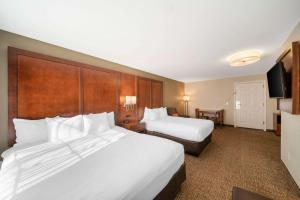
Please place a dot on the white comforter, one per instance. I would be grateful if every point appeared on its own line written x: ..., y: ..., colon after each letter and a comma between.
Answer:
x: 118, y: 165
x: 186, y: 128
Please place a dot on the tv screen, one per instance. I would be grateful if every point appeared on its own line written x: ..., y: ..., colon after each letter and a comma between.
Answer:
x: 277, y: 81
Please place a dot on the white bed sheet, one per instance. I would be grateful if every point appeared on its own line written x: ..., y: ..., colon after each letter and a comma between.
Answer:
x: 120, y: 164
x: 186, y: 128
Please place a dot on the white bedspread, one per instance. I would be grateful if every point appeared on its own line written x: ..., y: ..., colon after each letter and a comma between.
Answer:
x: 186, y: 128
x: 118, y: 165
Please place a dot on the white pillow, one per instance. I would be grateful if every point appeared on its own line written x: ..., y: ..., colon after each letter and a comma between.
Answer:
x: 30, y: 131
x: 163, y: 112
x: 154, y: 114
x: 146, y: 115
x: 65, y: 129
x: 95, y: 123
x: 111, y: 119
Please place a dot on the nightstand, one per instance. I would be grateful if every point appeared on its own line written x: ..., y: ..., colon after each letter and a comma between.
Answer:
x: 134, y: 126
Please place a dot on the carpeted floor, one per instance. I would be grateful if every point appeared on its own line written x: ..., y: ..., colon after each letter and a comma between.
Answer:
x: 246, y: 158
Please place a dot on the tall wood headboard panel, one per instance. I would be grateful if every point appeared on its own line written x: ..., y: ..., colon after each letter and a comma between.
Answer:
x: 100, y: 90
x: 41, y: 86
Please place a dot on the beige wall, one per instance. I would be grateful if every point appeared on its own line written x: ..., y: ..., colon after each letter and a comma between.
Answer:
x: 217, y: 93
x: 294, y: 36
x: 173, y: 90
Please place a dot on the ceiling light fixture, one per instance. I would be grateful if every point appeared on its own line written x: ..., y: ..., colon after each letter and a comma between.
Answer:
x: 244, y: 58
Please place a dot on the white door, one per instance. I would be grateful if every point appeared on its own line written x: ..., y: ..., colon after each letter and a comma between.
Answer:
x: 250, y: 105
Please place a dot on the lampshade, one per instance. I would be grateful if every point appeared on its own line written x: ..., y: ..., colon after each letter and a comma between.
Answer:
x: 130, y: 100
x: 186, y: 98
x: 133, y: 99
x: 244, y: 58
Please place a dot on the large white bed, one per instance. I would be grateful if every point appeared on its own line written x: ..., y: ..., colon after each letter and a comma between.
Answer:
x: 186, y: 128
x: 119, y: 164
x: 194, y: 134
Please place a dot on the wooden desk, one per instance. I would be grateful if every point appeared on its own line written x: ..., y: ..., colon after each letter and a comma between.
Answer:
x: 215, y: 115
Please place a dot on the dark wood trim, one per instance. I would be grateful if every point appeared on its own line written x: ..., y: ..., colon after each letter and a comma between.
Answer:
x: 190, y: 147
x: 282, y: 56
x: 296, y: 78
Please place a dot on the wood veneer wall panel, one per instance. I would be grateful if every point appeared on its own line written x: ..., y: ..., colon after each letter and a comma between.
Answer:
x: 156, y: 94
x: 42, y: 86
x: 143, y: 95
x: 47, y: 88
x: 127, y: 88
x: 12, y: 93
x: 296, y: 78
x: 100, y: 90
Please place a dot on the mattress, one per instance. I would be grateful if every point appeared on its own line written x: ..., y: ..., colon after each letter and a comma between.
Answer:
x: 186, y: 128
x: 119, y: 164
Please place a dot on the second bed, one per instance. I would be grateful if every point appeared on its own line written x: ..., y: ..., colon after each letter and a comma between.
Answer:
x: 194, y: 134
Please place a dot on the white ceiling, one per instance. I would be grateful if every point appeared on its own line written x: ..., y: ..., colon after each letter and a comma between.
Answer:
x: 186, y: 40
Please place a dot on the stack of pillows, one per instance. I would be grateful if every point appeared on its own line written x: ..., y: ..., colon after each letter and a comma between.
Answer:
x: 60, y: 129
x: 154, y: 114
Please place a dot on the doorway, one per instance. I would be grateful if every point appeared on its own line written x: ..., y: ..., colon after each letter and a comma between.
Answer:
x: 250, y: 105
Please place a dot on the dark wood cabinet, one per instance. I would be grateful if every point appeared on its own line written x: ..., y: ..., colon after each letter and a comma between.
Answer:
x: 277, y: 123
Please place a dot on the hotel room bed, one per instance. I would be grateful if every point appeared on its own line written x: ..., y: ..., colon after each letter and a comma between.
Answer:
x: 118, y: 165
x: 194, y: 134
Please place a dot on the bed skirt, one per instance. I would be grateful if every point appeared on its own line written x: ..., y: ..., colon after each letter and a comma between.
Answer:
x: 190, y: 147
x: 171, y: 190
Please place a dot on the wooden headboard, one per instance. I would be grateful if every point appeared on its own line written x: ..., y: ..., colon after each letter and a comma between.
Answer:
x: 42, y: 86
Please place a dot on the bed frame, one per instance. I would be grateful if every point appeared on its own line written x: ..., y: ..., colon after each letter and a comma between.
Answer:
x: 42, y: 86
x: 191, y: 147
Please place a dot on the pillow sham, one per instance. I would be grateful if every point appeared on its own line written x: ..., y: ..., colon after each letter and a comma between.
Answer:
x: 154, y: 114
x: 163, y: 112
x: 95, y: 123
x: 65, y: 129
x: 111, y: 119
x: 30, y: 131
x: 146, y: 115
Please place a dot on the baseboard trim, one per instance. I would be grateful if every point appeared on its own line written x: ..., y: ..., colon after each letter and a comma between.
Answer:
x: 230, y: 125
x: 289, y: 173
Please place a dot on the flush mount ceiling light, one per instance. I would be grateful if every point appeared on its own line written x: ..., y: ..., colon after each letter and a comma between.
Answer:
x: 244, y: 58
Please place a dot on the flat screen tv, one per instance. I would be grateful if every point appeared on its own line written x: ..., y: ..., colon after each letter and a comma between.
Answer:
x: 278, y: 81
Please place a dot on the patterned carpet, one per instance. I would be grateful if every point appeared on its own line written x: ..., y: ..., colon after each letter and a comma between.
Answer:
x: 246, y: 158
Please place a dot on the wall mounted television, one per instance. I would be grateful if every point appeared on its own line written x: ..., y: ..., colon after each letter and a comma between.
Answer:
x: 279, y: 81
